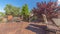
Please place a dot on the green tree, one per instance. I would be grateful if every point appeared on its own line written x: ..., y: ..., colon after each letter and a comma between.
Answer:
x: 12, y: 10
x: 25, y: 12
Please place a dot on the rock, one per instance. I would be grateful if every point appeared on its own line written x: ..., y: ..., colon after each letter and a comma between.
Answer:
x: 57, y: 21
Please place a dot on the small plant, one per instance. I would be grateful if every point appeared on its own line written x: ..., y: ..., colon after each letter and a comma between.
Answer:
x: 0, y: 19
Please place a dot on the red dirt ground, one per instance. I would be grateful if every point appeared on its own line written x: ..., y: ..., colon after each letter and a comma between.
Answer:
x: 14, y: 28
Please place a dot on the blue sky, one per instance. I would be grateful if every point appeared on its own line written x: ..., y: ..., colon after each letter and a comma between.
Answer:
x: 20, y: 3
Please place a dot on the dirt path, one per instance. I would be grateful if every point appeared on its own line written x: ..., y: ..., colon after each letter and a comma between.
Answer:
x: 14, y: 28
x: 19, y: 28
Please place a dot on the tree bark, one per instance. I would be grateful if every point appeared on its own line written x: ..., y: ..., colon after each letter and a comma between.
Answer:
x: 45, y: 19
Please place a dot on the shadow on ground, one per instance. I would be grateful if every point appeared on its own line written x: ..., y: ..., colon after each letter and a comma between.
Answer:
x: 38, y: 29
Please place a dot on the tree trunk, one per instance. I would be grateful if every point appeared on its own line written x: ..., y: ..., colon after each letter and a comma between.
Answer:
x: 45, y: 19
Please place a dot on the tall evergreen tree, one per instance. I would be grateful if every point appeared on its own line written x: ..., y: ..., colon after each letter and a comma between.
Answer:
x: 25, y: 12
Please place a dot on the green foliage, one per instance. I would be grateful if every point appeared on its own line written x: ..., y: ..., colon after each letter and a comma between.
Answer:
x: 25, y: 12
x: 2, y: 14
x: 15, y: 11
x: 33, y: 18
x: 12, y: 10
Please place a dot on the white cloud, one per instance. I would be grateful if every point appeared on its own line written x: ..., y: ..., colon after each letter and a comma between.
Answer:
x: 1, y: 10
x: 58, y: 2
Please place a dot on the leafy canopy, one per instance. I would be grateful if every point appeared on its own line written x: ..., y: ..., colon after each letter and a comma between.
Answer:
x: 12, y: 10
x: 49, y: 9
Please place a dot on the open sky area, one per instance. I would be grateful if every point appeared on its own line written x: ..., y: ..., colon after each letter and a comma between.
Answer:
x: 20, y: 3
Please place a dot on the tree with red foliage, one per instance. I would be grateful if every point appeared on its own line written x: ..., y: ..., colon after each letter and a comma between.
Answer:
x: 49, y: 9
x: 45, y: 8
